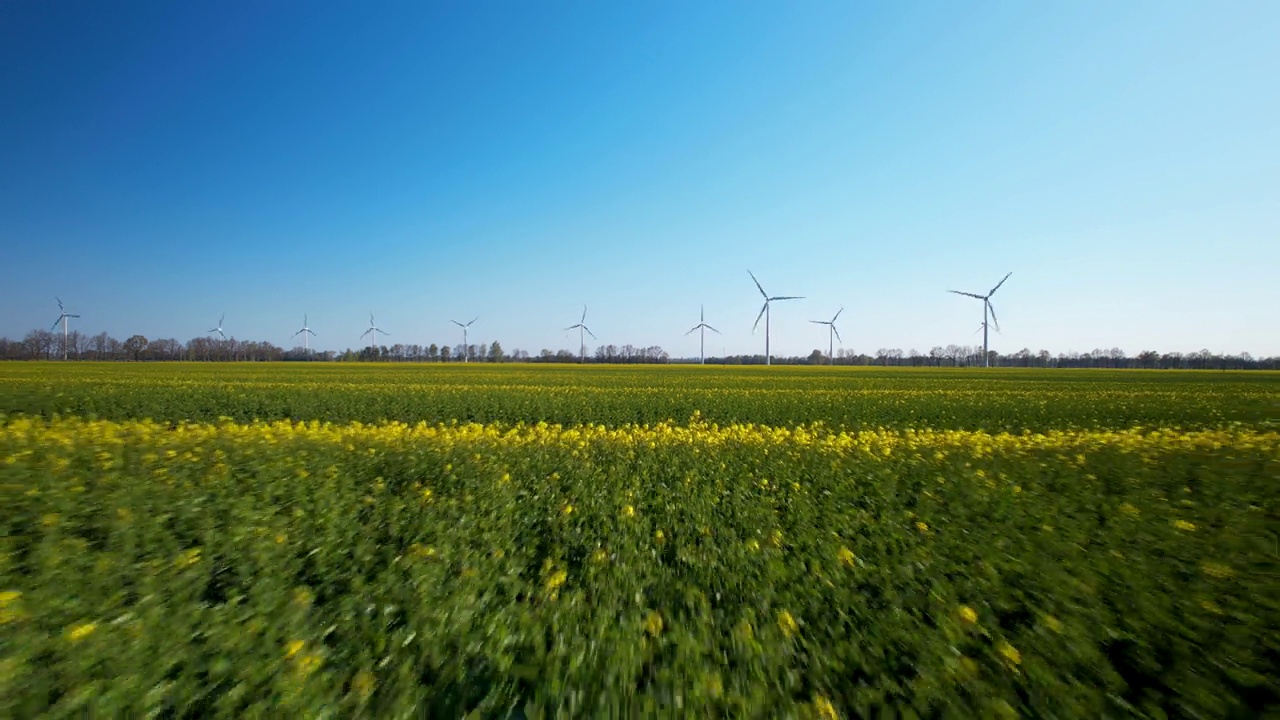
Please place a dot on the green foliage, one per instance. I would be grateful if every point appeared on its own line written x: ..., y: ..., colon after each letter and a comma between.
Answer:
x: 191, y: 566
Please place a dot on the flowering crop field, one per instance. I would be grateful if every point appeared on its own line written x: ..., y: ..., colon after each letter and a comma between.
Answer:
x: 513, y: 541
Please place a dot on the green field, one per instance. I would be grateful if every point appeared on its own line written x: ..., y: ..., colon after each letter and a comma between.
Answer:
x: 518, y: 541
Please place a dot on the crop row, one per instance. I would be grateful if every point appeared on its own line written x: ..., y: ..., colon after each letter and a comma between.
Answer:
x: 528, y: 570
x: 847, y: 398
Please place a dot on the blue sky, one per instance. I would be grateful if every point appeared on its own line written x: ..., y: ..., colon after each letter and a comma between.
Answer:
x: 164, y: 163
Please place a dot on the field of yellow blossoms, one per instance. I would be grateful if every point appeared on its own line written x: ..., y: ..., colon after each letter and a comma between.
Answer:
x: 292, y: 541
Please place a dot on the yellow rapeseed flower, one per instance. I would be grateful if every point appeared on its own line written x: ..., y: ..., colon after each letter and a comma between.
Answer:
x: 846, y: 556
x: 293, y: 648
x: 556, y: 579
x: 788, y: 624
x: 922, y: 527
x: 1184, y: 525
x: 660, y: 537
x: 653, y: 624
x: 968, y: 614
x: 1009, y: 652
x: 824, y: 708
x: 628, y: 511
x: 76, y: 633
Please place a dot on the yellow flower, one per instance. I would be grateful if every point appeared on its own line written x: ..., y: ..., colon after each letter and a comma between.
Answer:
x: 1053, y: 623
x: 660, y: 537
x: 922, y: 527
x: 1211, y: 606
x: 1009, y: 652
x: 557, y: 579
x: 787, y: 623
x: 653, y: 624
x: 753, y: 545
x: 9, y: 596
x: 187, y: 558
x: 599, y: 555
x: 1128, y: 509
x: 628, y: 511
x: 968, y: 614
x: 567, y: 509
x: 76, y: 633
x: 1184, y: 525
x: 846, y: 556
x: 825, y: 709
x: 309, y: 663
x: 293, y: 648
x: 775, y: 538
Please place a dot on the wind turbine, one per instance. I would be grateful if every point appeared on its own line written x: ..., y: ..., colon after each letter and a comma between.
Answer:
x: 63, y: 319
x: 764, y: 312
x: 218, y: 329
x: 831, y: 328
x: 465, y: 347
x: 702, y: 336
x: 986, y: 307
x: 372, y: 332
x: 582, y: 327
x: 304, y: 332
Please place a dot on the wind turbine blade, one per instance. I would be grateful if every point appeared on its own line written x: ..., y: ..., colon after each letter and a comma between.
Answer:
x: 837, y: 317
x: 72, y: 315
x: 788, y: 297
x: 714, y: 330
x: 584, y: 314
x: 757, y: 282
x: 757, y: 324
x: 59, y: 302
x: 473, y: 320
x: 967, y: 294
x: 296, y: 334
x: 695, y: 327
x: 837, y: 332
x: 975, y: 332
x: 55, y: 324
x: 573, y: 327
x: 993, y: 315
x: 304, y: 319
x: 222, y: 334
x: 593, y: 335
x: 312, y: 332
x: 224, y: 317
x: 819, y: 322
x: 997, y: 287
x: 366, y: 332
x: 455, y: 322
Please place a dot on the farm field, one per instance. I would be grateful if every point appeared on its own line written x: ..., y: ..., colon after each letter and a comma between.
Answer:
x: 517, y: 541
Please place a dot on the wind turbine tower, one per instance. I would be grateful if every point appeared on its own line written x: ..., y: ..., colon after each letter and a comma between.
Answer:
x: 831, y: 328
x: 372, y: 332
x: 465, y: 347
x: 582, y: 341
x: 304, y: 332
x: 986, y: 307
x: 702, y: 336
x: 764, y: 312
x: 63, y: 319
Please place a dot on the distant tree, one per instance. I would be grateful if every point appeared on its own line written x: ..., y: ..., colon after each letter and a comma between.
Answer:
x: 495, y: 352
x: 135, y: 346
x: 445, y: 353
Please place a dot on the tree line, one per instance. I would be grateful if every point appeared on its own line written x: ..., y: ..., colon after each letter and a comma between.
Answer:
x: 47, y: 345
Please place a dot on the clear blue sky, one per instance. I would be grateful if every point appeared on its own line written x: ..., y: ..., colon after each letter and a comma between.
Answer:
x: 163, y: 163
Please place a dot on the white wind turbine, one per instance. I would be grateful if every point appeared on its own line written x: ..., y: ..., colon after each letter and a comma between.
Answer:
x: 304, y: 332
x: 831, y: 328
x: 465, y: 347
x: 986, y: 307
x: 702, y: 336
x: 764, y: 312
x: 218, y: 329
x: 372, y: 332
x: 582, y: 327
x: 63, y: 319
